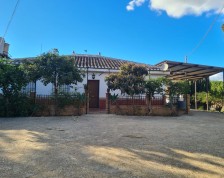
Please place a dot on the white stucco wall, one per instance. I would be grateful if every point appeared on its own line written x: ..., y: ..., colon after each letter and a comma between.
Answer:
x: 99, y: 75
x: 158, y: 74
x: 41, y: 89
x: 46, y: 90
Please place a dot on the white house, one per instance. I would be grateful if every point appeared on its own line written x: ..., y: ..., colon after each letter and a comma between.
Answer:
x: 96, y: 68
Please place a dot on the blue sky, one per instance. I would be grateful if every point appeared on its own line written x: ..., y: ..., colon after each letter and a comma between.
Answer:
x: 138, y: 30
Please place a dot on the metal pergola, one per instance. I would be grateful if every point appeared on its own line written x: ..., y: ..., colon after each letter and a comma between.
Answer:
x: 192, y: 72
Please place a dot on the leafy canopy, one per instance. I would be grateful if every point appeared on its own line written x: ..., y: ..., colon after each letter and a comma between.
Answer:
x: 153, y: 86
x: 129, y: 80
x: 176, y: 88
x: 12, y: 78
x: 30, y: 67
x: 215, y: 95
x: 58, y: 70
x: 216, y: 89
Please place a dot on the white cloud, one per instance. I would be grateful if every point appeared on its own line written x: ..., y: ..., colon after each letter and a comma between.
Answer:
x: 217, y: 77
x: 180, y: 8
x: 132, y: 4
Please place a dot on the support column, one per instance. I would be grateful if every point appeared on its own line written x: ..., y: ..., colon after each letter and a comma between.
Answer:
x: 207, y: 92
x: 33, y: 96
x: 35, y: 91
x: 149, y: 103
x: 87, y: 100
x: 108, y: 101
x: 188, y: 103
x: 223, y: 89
x: 195, y: 94
x: 87, y: 89
x: 164, y: 99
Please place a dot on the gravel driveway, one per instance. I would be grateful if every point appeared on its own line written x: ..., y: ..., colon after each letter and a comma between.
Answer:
x: 113, y: 146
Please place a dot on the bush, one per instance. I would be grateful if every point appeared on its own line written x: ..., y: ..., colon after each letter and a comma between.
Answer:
x: 65, y: 99
x: 16, y: 106
x: 222, y: 110
x: 201, y: 108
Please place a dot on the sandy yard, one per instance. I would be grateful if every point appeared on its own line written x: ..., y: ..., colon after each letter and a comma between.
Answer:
x: 112, y: 146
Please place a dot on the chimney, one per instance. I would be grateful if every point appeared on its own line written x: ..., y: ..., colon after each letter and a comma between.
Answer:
x: 2, y: 42
x: 99, y: 53
x: 185, y: 59
x: 6, y: 49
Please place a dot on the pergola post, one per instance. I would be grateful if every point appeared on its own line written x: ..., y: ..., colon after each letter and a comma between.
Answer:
x: 223, y: 88
x: 207, y: 92
x: 195, y: 94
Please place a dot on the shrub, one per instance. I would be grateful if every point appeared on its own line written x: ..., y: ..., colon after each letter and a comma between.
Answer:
x: 65, y: 99
x: 16, y: 106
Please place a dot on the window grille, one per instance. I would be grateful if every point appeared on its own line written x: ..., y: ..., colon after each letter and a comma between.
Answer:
x: 62, y: 89
x: 30, y: 87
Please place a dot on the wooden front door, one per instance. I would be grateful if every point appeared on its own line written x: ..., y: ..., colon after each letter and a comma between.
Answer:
x: 93, y: 86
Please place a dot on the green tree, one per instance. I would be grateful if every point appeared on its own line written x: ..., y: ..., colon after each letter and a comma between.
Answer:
x: 130, y: 79
x: 12, y: 79
x: 174, y: 89
x: 30, y: 67
x: 214, y: 97
x: 216, y: 89
x: 58, y: 70
x: 153, y: 86
x: 201, y: 86
x: 216, y: 94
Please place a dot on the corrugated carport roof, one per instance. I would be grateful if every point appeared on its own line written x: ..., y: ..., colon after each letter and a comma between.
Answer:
x: 183, y: 71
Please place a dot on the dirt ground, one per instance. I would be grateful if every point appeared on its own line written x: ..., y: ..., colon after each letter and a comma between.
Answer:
x: 113, y: 146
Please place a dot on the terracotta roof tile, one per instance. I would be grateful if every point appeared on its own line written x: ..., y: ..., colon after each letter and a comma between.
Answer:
x: 101, y: 62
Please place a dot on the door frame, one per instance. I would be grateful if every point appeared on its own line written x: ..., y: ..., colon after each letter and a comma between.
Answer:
x: 98, y: 98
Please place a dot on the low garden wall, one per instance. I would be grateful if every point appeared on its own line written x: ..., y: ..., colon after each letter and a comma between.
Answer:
x: 159, y: 108
x: 167, y: 111
x: 65, y: 106
x: 140, y: 110
x: 52, y: 110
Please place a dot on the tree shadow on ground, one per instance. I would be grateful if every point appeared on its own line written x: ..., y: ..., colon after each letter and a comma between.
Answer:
x: 51, y: 147
x: 169, y: 162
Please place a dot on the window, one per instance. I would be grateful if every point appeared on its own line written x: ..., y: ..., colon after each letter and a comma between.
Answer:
x: 62, y: 88
x: 30, y: 87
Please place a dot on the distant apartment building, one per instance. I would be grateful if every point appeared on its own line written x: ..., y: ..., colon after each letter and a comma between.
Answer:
x: 4, y: 48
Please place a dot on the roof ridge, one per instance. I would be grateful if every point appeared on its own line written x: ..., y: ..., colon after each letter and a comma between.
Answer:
x: 111, y: 58
x: 99, y: 61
